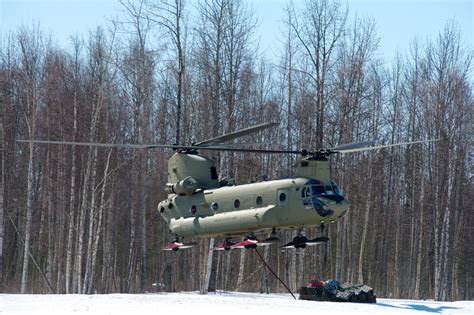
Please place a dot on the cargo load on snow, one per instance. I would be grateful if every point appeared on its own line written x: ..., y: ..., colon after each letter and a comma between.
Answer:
x: 333, y: 291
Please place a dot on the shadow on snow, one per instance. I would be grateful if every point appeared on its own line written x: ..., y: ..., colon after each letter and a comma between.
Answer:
x: 420, y: 307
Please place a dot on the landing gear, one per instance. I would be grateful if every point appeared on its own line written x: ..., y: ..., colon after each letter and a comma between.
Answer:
x: 272, y: 239
x: 301, y: 241
x: 177, y: 245
x: 228, y: 243
x: 250, y: 241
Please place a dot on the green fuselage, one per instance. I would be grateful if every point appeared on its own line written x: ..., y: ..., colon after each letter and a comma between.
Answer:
x: 308, y: 200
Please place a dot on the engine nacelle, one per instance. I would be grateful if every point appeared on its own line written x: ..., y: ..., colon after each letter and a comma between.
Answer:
x: 187, y: 186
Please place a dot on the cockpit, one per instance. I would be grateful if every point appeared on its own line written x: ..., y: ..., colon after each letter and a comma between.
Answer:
x: 314, y: 193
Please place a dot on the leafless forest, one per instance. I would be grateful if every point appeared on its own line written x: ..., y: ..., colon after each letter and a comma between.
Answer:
x: 84, y: 220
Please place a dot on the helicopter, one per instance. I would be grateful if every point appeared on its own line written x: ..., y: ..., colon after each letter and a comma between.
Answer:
x: 198, y: 204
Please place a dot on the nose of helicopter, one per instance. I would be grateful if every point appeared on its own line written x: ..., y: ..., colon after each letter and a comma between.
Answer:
x: 333, y: 206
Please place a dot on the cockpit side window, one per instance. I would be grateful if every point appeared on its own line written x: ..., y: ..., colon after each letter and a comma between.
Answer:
x: 336, y: 188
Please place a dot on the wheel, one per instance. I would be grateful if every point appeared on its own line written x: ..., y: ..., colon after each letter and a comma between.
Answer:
x: 300, y: 241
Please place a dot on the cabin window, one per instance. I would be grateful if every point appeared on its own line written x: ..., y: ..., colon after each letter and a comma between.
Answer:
x: 281, y: 196
x: 213, y: 172
x: 259, y: 201
x: 193, y: 209
x: 236, y: 203
x: 215, y: 206
x: 304, y: 164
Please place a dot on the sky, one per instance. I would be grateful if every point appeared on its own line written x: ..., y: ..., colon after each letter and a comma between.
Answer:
x: 398, y: 22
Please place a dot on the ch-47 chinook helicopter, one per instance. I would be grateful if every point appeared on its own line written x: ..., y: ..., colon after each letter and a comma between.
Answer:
x: 199, y: 205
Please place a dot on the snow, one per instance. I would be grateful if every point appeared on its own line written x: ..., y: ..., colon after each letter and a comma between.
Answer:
x: 227, y: 303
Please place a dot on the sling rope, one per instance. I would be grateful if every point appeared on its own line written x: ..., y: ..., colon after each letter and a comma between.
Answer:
x: 276, y: 276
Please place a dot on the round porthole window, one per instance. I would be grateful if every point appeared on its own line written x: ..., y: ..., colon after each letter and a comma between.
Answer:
x: 282, y: 197
x: 215, y: 206
x: 259, y: 201
x: 236, y: 203
x: 193, y: 209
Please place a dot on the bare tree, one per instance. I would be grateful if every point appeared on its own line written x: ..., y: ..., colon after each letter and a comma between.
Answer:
x: 72, y: 194
x: 32, y: 48
x: 169, y: 15
x: 319, y: 26
x: 2, y: 193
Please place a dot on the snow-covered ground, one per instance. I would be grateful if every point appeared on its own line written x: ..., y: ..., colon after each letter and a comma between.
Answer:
x: 221, y: 303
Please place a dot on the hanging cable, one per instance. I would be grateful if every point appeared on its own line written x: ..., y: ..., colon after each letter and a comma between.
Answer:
x: 276, y: 276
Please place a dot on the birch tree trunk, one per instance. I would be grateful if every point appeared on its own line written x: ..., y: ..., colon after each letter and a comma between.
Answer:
x: 300, y: 271
x: 2, y: 193
x: 365, y: 226
x: 29, y: 214
x: 240, y: 277
x: 77, y: 271
x: 85, y: 205
x: 31, y: 49
x: 50, y: 225
x: 420, y: 251
x: 341, y: 248
x: 70, y: 274
x: 92, y: 223
x: 72, y: 204
x: 143, y: 242
x: 292, y: 268
x: 207, y: 275
x: 98, y: 229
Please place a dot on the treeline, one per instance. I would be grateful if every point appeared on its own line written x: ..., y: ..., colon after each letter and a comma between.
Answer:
x: 83, y: 219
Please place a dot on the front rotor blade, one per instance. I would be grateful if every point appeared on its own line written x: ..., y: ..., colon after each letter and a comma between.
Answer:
x: 243, y: 144
x: 234, y: 135
x: 169, y: 146
x: 341, y: 149
x: 233, y: 149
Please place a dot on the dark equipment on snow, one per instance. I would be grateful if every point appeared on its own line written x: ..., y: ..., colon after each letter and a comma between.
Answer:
x: 333, y: 291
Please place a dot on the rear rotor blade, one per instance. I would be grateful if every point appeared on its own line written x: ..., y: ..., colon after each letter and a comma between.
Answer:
x: 234, y: 135
x: 354, y: 145
x: 106, y: 145
x: 358, y: 147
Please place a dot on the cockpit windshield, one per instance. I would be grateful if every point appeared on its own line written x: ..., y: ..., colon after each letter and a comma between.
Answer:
x: 313, y: 190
